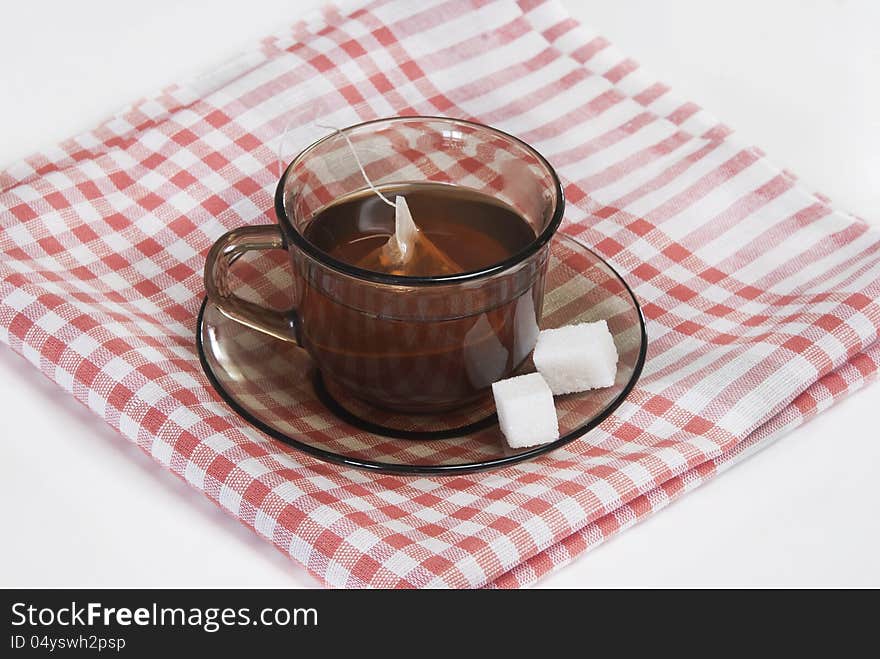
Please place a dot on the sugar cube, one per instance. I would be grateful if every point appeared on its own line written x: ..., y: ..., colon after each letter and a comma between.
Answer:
x: 576, y: 357
x: 526, y: 412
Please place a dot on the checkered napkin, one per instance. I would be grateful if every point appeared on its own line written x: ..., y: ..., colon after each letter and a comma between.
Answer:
x: 761, y: 297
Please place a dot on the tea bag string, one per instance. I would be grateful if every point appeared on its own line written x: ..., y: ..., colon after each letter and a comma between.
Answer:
x: 358, y: 161
x: 350, y: 147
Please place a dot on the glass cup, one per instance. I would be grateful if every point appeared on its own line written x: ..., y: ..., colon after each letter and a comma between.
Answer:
x: 409, y: 344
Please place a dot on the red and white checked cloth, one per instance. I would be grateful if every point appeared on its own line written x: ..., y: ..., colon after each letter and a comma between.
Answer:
x: 761, y: 297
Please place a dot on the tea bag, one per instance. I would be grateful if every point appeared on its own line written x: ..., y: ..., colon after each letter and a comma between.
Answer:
x: 409, y: 251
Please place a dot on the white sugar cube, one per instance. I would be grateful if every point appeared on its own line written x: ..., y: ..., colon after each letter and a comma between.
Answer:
x: 526, y: 412
x: 576, y: 357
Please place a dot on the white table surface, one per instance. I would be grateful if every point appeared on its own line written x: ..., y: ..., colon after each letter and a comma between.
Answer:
x: 82, y: 507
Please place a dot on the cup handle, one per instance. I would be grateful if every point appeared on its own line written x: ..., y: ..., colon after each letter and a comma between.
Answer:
x: 282, y: 325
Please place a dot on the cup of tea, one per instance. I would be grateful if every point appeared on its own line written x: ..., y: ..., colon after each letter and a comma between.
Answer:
x: 410, y: 341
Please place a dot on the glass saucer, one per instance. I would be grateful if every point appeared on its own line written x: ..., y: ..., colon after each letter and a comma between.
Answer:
x: 274, y: 386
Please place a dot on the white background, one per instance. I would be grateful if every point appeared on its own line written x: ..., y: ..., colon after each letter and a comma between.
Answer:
x: 82, y: 507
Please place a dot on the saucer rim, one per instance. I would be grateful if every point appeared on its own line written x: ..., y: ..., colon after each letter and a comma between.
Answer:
x: 436, y: 470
